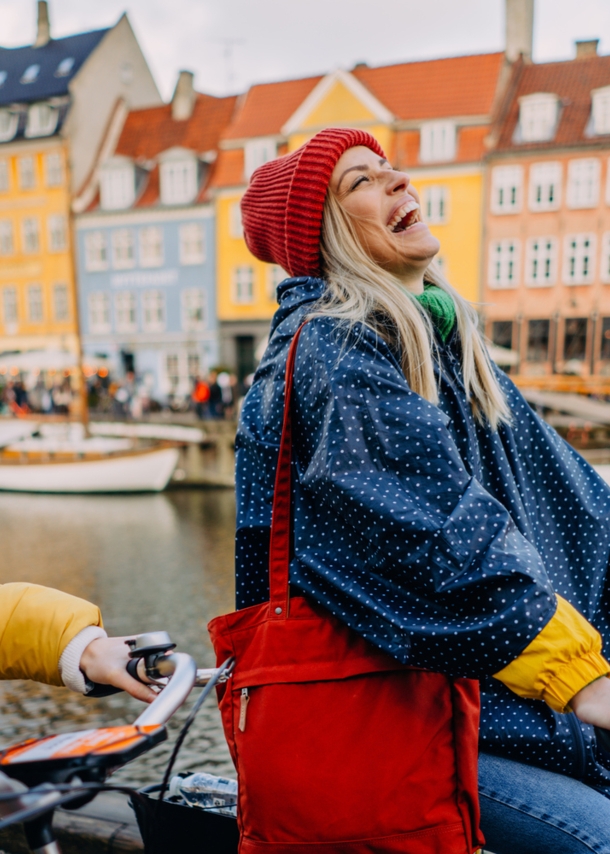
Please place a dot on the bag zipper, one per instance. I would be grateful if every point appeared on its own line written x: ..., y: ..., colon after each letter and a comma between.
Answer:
x: 243, y: 706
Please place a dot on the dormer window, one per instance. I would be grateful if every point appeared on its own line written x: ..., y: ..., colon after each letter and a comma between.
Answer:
x: 8, y: 125
x: 437, y: 142
x: 42, y: 120
x: 117, y: 184
x: 538, y: 114
x: 30, y: 74
x: 257, y: 152
x: 601, y: 110
x: 65, y: 67
x: 179, y: 174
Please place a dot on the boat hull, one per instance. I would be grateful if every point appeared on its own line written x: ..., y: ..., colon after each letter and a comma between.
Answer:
x: 147, y: 471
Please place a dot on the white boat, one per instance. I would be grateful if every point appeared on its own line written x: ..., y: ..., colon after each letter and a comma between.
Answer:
x: 139, y: 470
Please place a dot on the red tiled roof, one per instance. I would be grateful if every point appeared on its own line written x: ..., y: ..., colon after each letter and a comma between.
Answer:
x: 436, y: 88
x: 229, y: 168
x: 267, y: 106
x: 572, y: 81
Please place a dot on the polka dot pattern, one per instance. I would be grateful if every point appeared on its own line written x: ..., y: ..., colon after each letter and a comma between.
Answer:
x: 440, y: 541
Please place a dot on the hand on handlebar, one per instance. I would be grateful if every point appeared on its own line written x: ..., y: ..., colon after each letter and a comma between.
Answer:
x: 592, y: 703
x: 104, y: 662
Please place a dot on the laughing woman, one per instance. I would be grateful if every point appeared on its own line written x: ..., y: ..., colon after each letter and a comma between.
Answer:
x: 434, y: 513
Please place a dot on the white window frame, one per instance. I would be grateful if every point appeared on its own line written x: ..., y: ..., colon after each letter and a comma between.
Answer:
x: 10, y: 305
x: 96, y: 251
x: 30, y: 235
x: 173, y: 377
x: 193, y: 304
x: 243, y: 284
x: 7, y: 237
x: 153, y: 310
x: 579, y: 259
x: 506, y: 189
x: 99, y: 313
x: 179, y: 180
x: 35, y: 301
x: 583, y: 183
x: 122, y: 240
x: 53, y: 169
x: 604, y: 268
x: 57, y: 233
x: 437, y: 142
x: 117, y: 185
x: 41, y: 121
x: 538, y: 117
x: 600, y: 110
x: 150, y: 240
x: 126, y: 311
x: 436, y: 204
x: 257, y: 152
x: 191, y: 236
x: 26, y: 169
x: 504, y: 263
x: 544, y: 192
x: 61, y: 302
x: 275, y: 275
x: 5, y: 183
x: 9, y: 122
x: 541, y: 261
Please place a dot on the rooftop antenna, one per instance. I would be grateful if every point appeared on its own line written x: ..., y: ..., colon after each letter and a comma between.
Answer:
x: 227, y: 52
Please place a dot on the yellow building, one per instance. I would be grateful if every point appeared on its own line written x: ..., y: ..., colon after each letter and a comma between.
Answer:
x: 430, y: 117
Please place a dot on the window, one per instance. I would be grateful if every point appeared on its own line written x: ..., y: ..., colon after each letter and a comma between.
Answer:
x: 605, y: 262
x: 605, y: 344
x: 583, y: 183
x: 96, y: 251
x: 538, y: 333
x: 35, y: 307
x: 30, y: 74
x: 53, y: 170
x: 61, y: 308
x: 575, y: 338
x: 123, y: 252
x: 193, y: 309
x: 538, y: 114
x: 502, y: 333
x: 541, y: 261
x: 4, y: 177
x: 65, y: 67
x: 437, y: 141
x: 27, y: 177
x: 172, y: 364
x: 31, y: 235
x: 504, y: 263
x: 192, y: 243
x: 506, y: 184
x: 6, y: 237
x: 9, y: 305
x: 601, y: 110
x: 42, y: 120
x: 151, y: 246
x: 58, y: 233
x: 193, y: 365
x: 545, y: 186
x: 236, y: 228
x: 243, y: 282
x: 125, y: 307
x: 179, y: 181
x: 8, y: 125
x: 153, y: 303
x: 275, y: 275
x: 579, y: 259
x: 257, y: 152
x: 117, y: 185
x: 99, y: 313
x: 435, y: 204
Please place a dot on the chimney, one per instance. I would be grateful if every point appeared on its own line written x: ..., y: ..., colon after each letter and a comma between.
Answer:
x: 586, y: 48
x: 43, y: 31
x: 183, y: 99
x: 519, y: 29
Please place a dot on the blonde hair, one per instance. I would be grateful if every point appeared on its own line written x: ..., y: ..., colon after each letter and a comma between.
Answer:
x: 361, y: 291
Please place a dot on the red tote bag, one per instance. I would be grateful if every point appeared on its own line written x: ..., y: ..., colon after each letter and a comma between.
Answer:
x: 337, y: 746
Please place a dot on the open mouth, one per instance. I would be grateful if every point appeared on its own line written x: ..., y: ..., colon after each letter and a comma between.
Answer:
x: 406, y: 216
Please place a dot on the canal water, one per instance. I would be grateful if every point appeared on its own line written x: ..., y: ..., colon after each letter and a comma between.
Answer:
x: 151, y: 562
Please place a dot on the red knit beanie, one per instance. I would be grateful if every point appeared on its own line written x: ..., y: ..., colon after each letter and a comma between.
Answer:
x: 282, y: 207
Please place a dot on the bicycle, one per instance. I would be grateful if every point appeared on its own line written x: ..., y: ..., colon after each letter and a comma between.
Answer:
x: 70, y: 769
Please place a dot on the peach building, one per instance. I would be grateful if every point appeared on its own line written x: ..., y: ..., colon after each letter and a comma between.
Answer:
x: 546, y: 260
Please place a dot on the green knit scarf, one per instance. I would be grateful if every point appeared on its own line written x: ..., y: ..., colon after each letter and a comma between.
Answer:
x: 440, y: 307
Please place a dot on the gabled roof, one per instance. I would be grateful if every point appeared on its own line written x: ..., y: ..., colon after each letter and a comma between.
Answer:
x: 436, y: 88
x: 265, y: 108
x: 14, y: 61
x: 572, y: 81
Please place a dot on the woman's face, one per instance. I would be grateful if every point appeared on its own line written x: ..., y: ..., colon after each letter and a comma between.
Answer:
x: 386, y: 211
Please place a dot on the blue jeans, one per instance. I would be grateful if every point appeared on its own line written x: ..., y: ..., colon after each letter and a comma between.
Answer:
x: 525, y: 810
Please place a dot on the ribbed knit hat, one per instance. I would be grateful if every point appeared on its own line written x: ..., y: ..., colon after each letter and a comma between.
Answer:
x: 282, y: 207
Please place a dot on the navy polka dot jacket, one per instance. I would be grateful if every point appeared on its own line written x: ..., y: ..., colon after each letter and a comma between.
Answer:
x: 436, y: 539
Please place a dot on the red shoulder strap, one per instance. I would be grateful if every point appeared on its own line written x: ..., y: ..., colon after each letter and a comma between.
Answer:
x: 279, y: 548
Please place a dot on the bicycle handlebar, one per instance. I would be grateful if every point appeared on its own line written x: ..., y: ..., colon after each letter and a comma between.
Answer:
x: 183, y: 671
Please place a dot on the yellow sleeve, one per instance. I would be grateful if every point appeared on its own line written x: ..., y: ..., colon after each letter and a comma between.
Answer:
x: 36, y: 624
x: 559, y: 662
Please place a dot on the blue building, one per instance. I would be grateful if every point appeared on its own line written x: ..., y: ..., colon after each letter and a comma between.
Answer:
x: 146, y: 242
